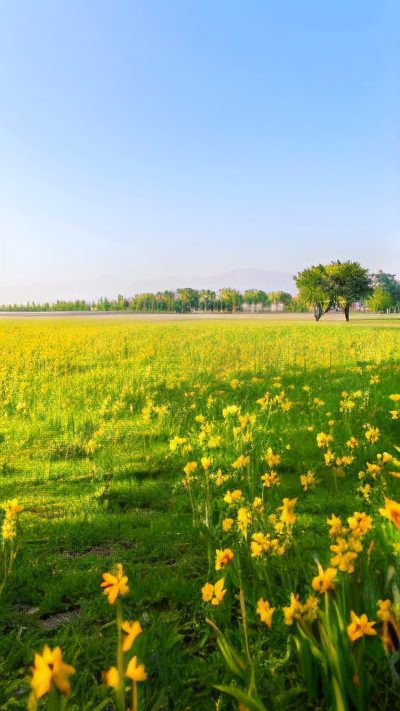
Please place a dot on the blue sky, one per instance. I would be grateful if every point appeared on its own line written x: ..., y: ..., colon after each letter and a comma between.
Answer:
x: 197, y: 136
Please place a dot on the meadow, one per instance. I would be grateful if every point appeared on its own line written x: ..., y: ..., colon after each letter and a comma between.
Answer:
x: 194, y: 451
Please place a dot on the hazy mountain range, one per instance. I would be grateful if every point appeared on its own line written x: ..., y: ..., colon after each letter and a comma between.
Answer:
x: 91, y: 288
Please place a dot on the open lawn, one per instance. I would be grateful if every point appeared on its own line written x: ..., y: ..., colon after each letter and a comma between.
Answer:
x: 99, y: 417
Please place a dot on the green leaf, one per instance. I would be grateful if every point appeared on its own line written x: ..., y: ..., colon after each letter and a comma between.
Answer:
x: 243, y: 698
x: 234, y: 662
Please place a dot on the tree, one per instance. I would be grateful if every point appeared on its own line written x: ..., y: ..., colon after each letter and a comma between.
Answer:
x: 230, y: 299
x: 312, y: 284
x: 336, y: 284
x: 380, y: 300
x: 387, y: 283
x: 348, y: 282
x: 189, y: 298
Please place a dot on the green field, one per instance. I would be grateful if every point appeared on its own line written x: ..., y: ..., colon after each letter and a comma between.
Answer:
x: 88, y: 409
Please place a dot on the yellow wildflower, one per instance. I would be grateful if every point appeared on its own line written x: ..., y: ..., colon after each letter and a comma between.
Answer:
x: 265, y: 611
x: 392, y: 512
x: 352, y: 443
x: 207, y: 591
x: 242, y: 461
x: 271, y: 458
x: 132, y: 631
x: 136, y: 672
x: 359, y: 627
x: 189, y: 468
x: 287, y: 515
x: 335, y: 524
x: 384, y: 611
x: 372, y: 434
x: 205, y: 463
x: 49, y: 670
x: 223, y: 558
x: 359, y: 524
x: 231, y: 496
x: 115, y: 585
x: 323, y: 581
x: 111, y: 677
x: 226, y: 524
x: 324, y: 439
x: 271, y: 479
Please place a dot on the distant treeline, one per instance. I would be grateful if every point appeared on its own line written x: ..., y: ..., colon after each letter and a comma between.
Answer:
x: 181, y: 301
x: 385, y: 298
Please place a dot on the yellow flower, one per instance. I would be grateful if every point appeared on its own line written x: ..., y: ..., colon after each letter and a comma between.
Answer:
x: 372, y: 434
x: 111, y: 677
x: 207, y: 592
x: 219, y: 592
x: 257, y: 502
x: 395, y: 414
x: 384, y: 611
x: 205, y: 462
x: 226, y: 524
x: 265, y: 611
x: 115, y: 585
x: 343, y: 560
x: 271, y: 479
x: 199, y: 418
x: 335, y: 524
x: 359, y: 627
x: 189, y: 468
x: 243, y: 519
x: 293, y: 611
x: 360, y: 524
x: 324, y: 439
x: 132, y: 630
x: 387, y: 457
x: 329, y: 457
x: 307, y: 480
x: 355, y: 544
x: 392, y: 512
x: 49, y: 669
x: 223, y: 558
x: 11, y: 508
x: 232, y: 496
x: 8, y: 529
x: 352, y: 443
x: 287, y: 515
x: 271, y: 458
x: 134, y: 672
x: 256, y: 549
x: 395, y: 397
x: 242, y: 461
x: 323, y: 581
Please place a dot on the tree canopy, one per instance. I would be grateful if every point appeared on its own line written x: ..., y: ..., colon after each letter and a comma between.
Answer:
x: 336, y: 284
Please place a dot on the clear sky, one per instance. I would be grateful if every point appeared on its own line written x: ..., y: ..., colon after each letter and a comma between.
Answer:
x: 197, y: 136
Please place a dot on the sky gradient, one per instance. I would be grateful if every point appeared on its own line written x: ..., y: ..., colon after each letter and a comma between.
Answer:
x: 196, y: 136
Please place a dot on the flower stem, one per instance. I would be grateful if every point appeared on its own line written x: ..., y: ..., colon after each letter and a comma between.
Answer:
x: 120, y: 692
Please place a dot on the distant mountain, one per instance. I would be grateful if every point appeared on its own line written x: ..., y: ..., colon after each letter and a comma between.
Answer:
x: 243, y: 279
x: 91, y: 288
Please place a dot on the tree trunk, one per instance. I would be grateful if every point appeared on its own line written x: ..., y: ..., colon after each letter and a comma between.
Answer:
x: 347, y: 313
x: 317, y: 312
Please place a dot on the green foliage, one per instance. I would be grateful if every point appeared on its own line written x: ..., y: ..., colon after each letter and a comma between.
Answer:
x: 336, y: 284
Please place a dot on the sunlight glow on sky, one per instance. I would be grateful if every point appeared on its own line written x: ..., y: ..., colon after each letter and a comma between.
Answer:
x: 197, y: 137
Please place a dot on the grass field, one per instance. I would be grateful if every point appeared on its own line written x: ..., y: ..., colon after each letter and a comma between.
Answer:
x: 100, y: 416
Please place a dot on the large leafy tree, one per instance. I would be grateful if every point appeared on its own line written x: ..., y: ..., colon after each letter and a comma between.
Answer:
x: 387, y: 283
x: 312, y: 284
x: 336, y: 284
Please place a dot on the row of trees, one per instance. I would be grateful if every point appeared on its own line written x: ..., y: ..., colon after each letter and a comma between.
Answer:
x: 341, y: 284
x: 184, y: 300
x: 321, y: 288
